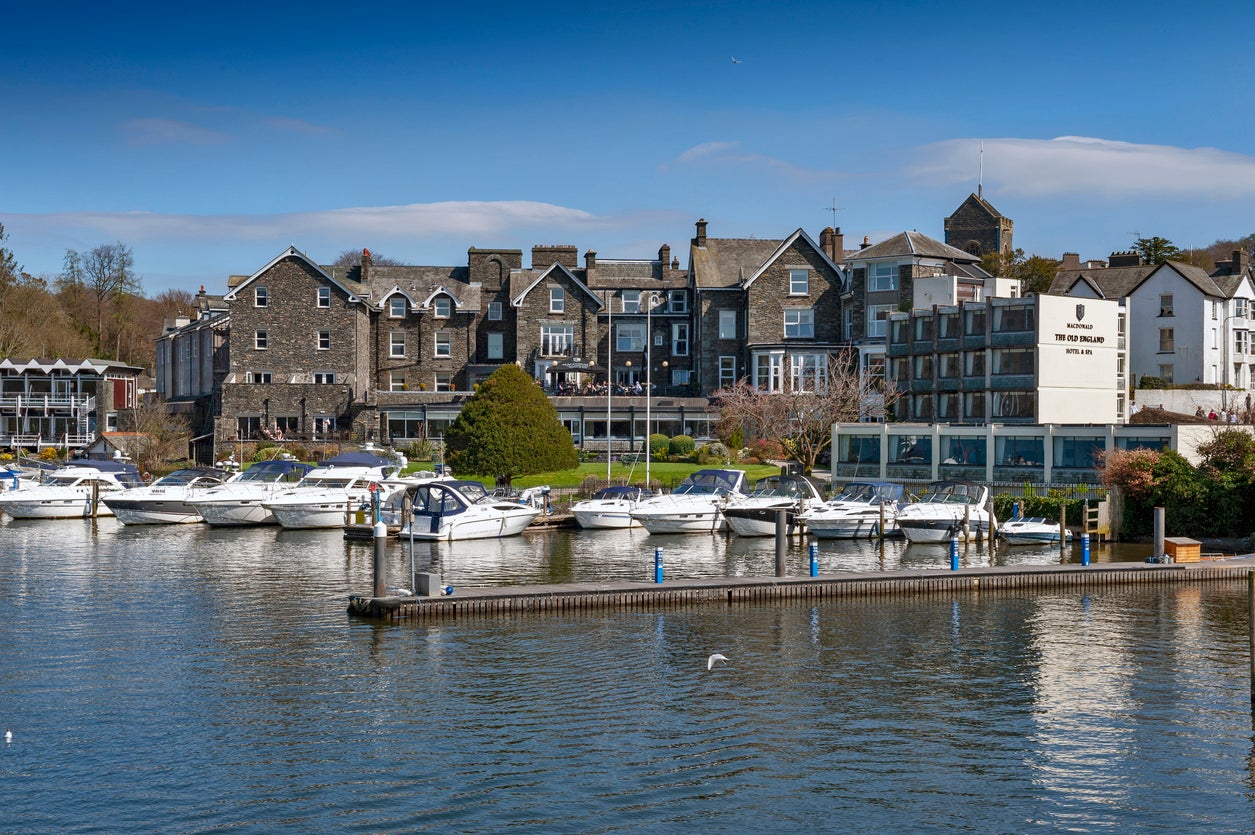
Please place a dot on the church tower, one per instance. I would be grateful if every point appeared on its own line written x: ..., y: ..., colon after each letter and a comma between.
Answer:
x: 977, y: 227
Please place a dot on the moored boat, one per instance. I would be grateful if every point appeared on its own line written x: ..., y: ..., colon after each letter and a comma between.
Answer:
x: 695, y: 506
x: 168, y: 500
x: 1036, y: 530
x: 239, y: 501
x: 862, y: 509
x: 756, y: 513
x: 946, y: 510
x: 67, y: 492
x: 456, y: 510
x: 610, y: 507
x: 325, y: 496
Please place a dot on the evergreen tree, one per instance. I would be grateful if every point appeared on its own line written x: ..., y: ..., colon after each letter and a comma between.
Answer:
x: 509, y: 428
x: 1156, y: 250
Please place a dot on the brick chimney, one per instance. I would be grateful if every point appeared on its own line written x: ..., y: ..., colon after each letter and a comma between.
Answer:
x: 832, y: 242
x: 664, y: 254
x: 1071, y: 261
x: 590, y: 264
x: 1129, y: 258
x: 1241, y: 260
x: 544, y: 257
x: 366, y: 265
x: 700, y: 240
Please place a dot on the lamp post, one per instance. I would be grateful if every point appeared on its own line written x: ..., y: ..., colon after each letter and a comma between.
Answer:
x: 1224, y: 375
x: 650, y: 301
x: 609, y: 374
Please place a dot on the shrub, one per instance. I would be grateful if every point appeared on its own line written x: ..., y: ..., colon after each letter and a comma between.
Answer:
x: 420, y: 450
x: 765, y: 448
x: 658, y: 446
x: 713, y: 453
x: 1149, y: 382
x: 681, y: 446
x: 49, y: 453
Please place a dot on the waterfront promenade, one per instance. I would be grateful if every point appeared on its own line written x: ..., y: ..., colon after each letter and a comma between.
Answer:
x: 572, y: 597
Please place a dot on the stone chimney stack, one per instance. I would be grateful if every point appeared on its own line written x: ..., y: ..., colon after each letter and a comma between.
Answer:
x: 1071, y: 261
x: 832, y: 242
x: 590, y: 263
x: 366, y: 265
x: 1128, y: 258
x: 544, y: 257
x: 664, y: 254
x: 1241, y: 260
x: 675, y: 262
x: 700, y: 240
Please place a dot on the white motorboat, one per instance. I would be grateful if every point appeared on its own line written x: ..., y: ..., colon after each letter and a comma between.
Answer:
x: 858, y: 511
x: 610, y: 507
x: 947, y: 509
x: 168, y: 500
x: 67, y: 492
x: 755, y: 514
x: 328, y: 492
x: 695, y: 506
x: 1037, y: 530
x: 454, y: 510
x: 239, y: 501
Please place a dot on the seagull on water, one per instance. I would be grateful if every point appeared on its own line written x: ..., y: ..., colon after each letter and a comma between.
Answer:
x: 8, y: 736
x: 716, y: 659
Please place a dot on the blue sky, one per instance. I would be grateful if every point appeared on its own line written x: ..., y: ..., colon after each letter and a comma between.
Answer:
x: 211, y: 138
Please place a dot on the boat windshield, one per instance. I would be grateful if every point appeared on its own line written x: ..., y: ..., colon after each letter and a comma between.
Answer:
x: 178, y: 477
x: 63, y: 480
x: 270, y: 474
x: 772, y: 487
x: 326, y: 483
x: 707, y: 483
x: 947, y: 497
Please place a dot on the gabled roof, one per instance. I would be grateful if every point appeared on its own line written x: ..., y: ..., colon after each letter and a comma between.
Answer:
x: 728, y: 262
x: 417, y: 283
x: 47, y: 366
x: 354, y: 295
x: 913, y: 245
x: 784, y: 246
x: 517, y: 301
x: 979, y: 202
x: 1120, y: 282
x: 441, y: 291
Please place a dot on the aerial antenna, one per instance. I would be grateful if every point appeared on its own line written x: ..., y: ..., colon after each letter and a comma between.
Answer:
x: 833, y: 208
x: 980, y: 180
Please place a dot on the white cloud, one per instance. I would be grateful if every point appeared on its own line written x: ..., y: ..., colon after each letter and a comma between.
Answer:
x: 156, y: 131
x: 1078, y: 165
x: 726, y: 153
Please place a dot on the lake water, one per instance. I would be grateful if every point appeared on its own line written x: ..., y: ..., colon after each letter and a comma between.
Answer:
x: 186, y: 679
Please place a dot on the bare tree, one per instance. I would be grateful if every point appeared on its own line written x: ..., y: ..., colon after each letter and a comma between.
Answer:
x: 800, y: 415
x: 161, y: 437
x: 353, y: 258
x: 107, y: 275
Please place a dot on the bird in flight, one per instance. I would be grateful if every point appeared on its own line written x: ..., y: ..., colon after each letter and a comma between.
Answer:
x: 736, y: 60
x: 716, y: 659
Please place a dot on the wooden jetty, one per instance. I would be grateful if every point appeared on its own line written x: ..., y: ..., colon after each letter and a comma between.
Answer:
x: 728, y: 591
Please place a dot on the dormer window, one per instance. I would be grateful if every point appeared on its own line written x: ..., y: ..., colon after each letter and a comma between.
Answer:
x: 261, y: 297
x: 324, y: 297
x: 443, y: 306
x: 396, y: 307
x: 557, y: 300
x: 631, y: 301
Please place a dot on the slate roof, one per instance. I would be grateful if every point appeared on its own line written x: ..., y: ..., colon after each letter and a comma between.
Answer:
x: 1118, y: 282
x: 915, y: 245
x: 727, y: 262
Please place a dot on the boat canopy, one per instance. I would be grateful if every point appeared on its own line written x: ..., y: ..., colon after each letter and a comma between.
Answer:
x: 358, y: 459
x: 883, y: 490
x: 623, y: 491
x: 277, y: 471
x: 712, y: 482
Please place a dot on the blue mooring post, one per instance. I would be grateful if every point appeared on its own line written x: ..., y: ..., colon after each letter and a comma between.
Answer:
x: 1085, y: 548
x: 954, y: 553
x: 814, y: 559
x: 657, y: 565
x: 1015, y: 510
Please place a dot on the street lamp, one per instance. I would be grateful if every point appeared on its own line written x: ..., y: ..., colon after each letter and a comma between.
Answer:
x: 650, y: 300
x: 1224, y: 376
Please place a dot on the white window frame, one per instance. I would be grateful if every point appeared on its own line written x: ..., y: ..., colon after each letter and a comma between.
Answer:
x: 882, y: 276
x: 556, y: 340
x: 442, y: 344
x: 768, y: 371
x: 324, y: 339
x: 727, y: 324
x: 631, y: 300
x: 494, y: 311
x: 680, y: 339
x: 799, y: 323
x: 496, y: 346
x: 557, y: 300
x: 442, y: 381
x: 629, y: 337
x: 261, y: 296
x: 396, y: 381
x: 799, y: 282
x: 396, y: 307
x: 324, y: 378
x: 1165, y: 304
x: 727, y: 371
x: 877, y: 326
x: 678, y: 301
x: 1167, y: 340
x: 261, y: 377
x: 442, y: 307
x: 396, y: 343
x: 324, y: 297
x: 261, y: 340
x: 808, y: 372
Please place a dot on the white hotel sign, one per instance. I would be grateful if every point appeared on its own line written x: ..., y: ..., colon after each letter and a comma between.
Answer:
x: 1078, y: 349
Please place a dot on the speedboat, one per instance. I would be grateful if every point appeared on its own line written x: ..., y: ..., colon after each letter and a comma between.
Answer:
x: 859, y: 510
x: 455, y: 510
x: 755, y: 514
x: 610, y: 507
x: 168, y: 500
x: 67, y: 492
x: 946, y: 510
x: 239, y: 501
x: 329, y: 492
x: 695, y: 506
x: 1036, y: 530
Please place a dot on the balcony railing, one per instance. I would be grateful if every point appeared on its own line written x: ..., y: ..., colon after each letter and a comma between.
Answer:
x: 46, y: 402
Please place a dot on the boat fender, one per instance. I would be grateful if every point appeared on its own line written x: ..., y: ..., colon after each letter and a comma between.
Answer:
x: 446, y: 589
x: 146, y: 476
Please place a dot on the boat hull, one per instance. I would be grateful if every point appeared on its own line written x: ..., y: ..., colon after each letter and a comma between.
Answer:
x: 695, y: 520
x: 850, y: 528
x: 454, y: 528
x: 55, y: 507
x: 593, y: 514
x: 159, y: 512
x: 236, y: 512
x: 759, y: 521
x: 941, y: 529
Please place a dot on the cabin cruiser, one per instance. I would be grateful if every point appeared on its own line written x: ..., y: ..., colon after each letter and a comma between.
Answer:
x: 1037, y: 530
x: 455, y: 510
x: 67, y: 492
x: 943, y: 510
x: 328, y: 492
x: 168, y: 500
x: 755, y: 514
x: 695, y: 506
x: 610, y: 507
x: 239, y: 501
x: 858, y: 511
